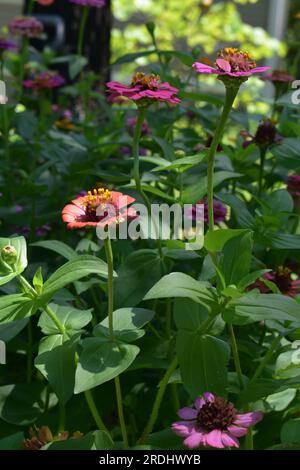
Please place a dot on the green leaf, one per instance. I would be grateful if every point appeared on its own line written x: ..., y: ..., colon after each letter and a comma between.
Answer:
x: 250, y: 278
x: 132, y: 57
x: 236, y: 261
x: 203, y: 363
x: 21, y: 404
x: 181, y: 285
x: 101, y: 361
x: 197, y: 191
x: 57, y: 246
x: 189, y: 315
x: 182, y: 163
x: 73, y: 270
x: 12, y: 442
x: 15, y: 307
x: 244, y: 218
x: 290, y: 431
x: 127, y: 324
x: 253, y: 307
x: 215, y: 240
x: 140, y: 271
x: 70, y: 317
x: 56, y: 361
x: 96, y: 440
x: 12, y: 329
x: 283, y: 241
x: 7, y: 273
x: 76, y: 65
x: 38, y: 280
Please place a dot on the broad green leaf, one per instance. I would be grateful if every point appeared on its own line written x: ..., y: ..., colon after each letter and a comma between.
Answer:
x: 59, y: 247
x: 15, y: 307
x: 251, y: 278
x: 101, y: 361
x: 127, y: 324
x: 244, y: 218
x: 96, y: 440
x: 215, y: 240
x: 72, y: 271
x: 133, y: 56
x: 182, y: 163
x: 189, y: 315
x: 203, y: 361
x: 181, y: 285
x: 70, y: 317
x: 195, y: 192
x: 7, y: 273
x: 236, y: 261
x: 253, y: 307
x: 282, y: 241
x: 12, y: 329
x: 21, y: 404
x: 12, y: 442
x: 290, y: 432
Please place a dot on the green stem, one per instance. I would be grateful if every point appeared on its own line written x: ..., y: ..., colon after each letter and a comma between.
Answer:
x: 23, y: 60
x: 263, y: 152
x: 62, y: 417
x: 110, y: 293
x: 94, y: 412
x: 272, y: 348
x: 55, y: 320
x: 30, y: 7
x: 29, y: 351
x: 229, y: 99
x: 136, y: 170
x: 235, y: 354
x: 82, y: 27
x: 157, y: 403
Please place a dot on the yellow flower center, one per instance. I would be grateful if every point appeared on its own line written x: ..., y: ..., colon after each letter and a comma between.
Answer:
x: 146, y: 81
x: 96, y: 197
x: 239, y: 61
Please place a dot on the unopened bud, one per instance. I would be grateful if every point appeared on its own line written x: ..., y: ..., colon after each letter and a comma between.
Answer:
x: 9, y: 255
x: 180, y: 154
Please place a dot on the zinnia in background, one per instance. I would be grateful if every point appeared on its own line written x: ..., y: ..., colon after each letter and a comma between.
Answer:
x: 6, y: 45
x: 26, y: 26
x: 220, y: 211
x: 213, y: 421
x: 83, y: 211
x: 45, y: 80
x: 282, y: 278
x: 144, y: 90
x: 231, y: 62
x: 266, y: 135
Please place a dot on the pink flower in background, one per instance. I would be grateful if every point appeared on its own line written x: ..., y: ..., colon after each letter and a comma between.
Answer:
x: 278, y: 76
x: 231, y: 62
x: 90, y: 3
x: 220, y: 211
x: 26, y: 26
x: 281, y: 277
x: 45, y: 2
x: 18, y: 209
x: 83, y: 210
x: 144, y: 90
x: 45, y: 80
x: 213, y: 421
x: 7, y: 45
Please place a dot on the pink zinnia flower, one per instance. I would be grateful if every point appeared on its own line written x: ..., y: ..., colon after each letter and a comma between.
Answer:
x: 45, y: 2
x: 231, y: 62
x: 26, y: 26
x: 99, y: 206
x: 278, y: 76
x: 90, y: 3
x: 281, y: 277
x: 144, y: 90
x: 220, y: 211
x: 213, y: 421
x: 45, y: 80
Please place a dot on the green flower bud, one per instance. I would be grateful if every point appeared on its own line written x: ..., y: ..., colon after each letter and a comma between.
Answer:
x: 180, y: 154
x: 9, y: 255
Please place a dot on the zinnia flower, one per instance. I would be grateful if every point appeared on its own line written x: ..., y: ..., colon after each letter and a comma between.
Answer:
x: 265, y: 136
x: 43, y: 435
x: 278, y: 76
x: 293, y: 187
x: 220, y: 211
x: 282, y: 277
x: 26, y: 26
x: 144, y: 90
x: 45, y: 2
x: 45, y: 80
x: 6, y: 45
x: 99, y: 206
x: 231, y: 62
x: 213, y: 421
x: 90, y: 3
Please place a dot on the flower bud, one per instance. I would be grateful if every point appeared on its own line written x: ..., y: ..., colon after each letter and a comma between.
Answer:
x: 9, y: 255
x: 180, y: 154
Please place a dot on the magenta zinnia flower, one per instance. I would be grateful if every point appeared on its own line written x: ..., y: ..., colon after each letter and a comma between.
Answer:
x: 220, y: 211
x: 6, y: 45
x: 231, y: 62
x: 213, y: 421
x: 44, y: 81
x: 144, y: 90
x: 26, y: 26
x: 99, y: 207
x: 90, y: 3
x: 282, y: 278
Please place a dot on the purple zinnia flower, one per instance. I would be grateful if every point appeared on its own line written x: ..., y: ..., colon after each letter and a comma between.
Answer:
x: 213, y: 421
x: 45, y: 80
x: 144, y: 90
x: 6, y: 45
x: 220, y: 211
x: 231, y: 62
x: 281, y: 277
x: 265, y: 136
x: 90, y: 3
x: 26, y: 26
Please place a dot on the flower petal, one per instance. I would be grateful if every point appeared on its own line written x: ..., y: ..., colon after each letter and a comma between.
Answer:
x: 214, y: 439
x: 203, y: 68
x: 199, y: 402
x: 229, y: 441
x: 209, y: 396
x: 183, y: 428
x: 187, y: 413
x: 248, y: 419
x: 194, y: 440
x: 237, y: 431
x: 223, y: 64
